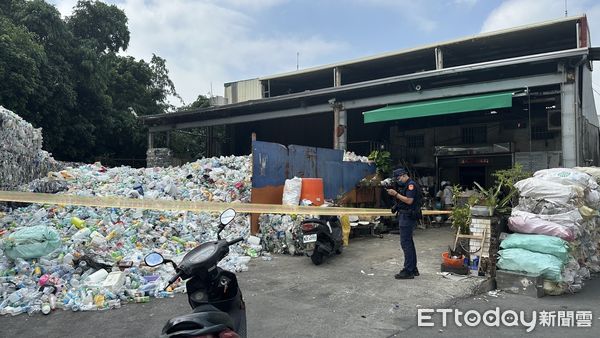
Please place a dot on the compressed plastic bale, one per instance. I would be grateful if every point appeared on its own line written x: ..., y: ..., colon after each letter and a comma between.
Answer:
x: 538, y: 243
x: 570, y: 218
x: 538, y: 226
x: 31, y: 242
x: 540, y: 189
x: 292, y: 189
x: 21, y: 156
x: 592, y: 198
x: 592, y: 171
x: 567, y: 176
x: 549, y: 266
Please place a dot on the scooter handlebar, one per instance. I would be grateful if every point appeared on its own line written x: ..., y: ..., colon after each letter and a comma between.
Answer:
x: 173, y: 279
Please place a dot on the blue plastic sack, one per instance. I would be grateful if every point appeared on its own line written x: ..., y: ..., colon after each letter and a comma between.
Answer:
x: 538, y: 243
x: 31, y: 242
x: 521, y: 260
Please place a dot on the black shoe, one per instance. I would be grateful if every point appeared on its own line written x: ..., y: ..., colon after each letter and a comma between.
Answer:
x: 404, y: 275
x: 416, y: 272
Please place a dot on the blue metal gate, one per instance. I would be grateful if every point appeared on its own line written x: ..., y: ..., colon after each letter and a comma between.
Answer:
x: 273, y: 163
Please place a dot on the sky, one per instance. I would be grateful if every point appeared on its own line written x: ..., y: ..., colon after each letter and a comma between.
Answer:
x: 208, y: 43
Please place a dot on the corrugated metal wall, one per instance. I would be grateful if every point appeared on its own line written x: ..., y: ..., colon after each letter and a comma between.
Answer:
x: 244, y: 90
x: 273, y: 163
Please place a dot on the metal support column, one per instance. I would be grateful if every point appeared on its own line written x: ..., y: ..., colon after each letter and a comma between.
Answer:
x: 150, y: 140
x: 439, y: 58
x: 341, y: 131
x: 569, y: 119
x: 337, y: 81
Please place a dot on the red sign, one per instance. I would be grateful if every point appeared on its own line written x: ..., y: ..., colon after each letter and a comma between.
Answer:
x: 474, y: 161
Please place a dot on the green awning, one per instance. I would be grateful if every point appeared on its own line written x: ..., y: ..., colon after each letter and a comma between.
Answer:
x: 439, y: 107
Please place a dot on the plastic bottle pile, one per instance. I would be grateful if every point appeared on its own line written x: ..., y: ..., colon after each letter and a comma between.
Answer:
x: 562, y: 205
x: 21, y: 156
x: 281, y: 234
x: 352, y: 157
x: 98, y: 262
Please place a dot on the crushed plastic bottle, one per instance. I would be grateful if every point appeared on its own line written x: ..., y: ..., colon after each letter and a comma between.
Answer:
x: 117, y: 240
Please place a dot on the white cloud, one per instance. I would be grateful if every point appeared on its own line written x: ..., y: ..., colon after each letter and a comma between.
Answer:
x: 214, y: 42
x: 466, y: 2
x: 416, y: 12
x: 521, y: 12
x: 64, y: 6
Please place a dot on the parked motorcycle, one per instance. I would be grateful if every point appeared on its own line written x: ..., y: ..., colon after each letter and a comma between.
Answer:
x: 213, y: 293
x: 322, y: 237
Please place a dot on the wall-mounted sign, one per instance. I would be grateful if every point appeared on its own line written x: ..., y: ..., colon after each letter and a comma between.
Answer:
x: 474, y: 161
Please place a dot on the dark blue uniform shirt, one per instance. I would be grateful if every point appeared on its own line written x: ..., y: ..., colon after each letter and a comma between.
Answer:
x: 410, y: 191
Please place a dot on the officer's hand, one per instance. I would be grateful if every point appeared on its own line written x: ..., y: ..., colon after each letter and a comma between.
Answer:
x: 391, y: 192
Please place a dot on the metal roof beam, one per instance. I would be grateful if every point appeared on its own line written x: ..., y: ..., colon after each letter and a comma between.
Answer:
x: 245, y: 118
x: 390, y: 80
x: 470, y: 89
x: 483, y: 87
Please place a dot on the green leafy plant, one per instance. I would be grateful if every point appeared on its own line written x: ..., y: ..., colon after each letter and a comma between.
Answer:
x: 506, y: 180
x: 383, y: 161
x: 461, y: 212
x: 488, y: 197
x: 503, y: 195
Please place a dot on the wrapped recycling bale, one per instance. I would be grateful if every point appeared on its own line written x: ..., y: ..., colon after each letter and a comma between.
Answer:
x: 538, y: 243
x: 557, y: 193
x: 570, y: 218
x: 567, y: 176
x: 542, y: 207
x: 528, y: 223
x: 592, y: 171
x: 521, y: 260
x: 31, y: 242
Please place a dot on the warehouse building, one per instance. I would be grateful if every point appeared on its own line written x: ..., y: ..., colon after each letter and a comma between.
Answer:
x: 456, y: 110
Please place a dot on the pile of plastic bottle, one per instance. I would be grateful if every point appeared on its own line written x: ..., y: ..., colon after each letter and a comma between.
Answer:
x: 98, y: 261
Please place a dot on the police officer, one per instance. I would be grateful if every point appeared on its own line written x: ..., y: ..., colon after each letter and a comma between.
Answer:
x: 407, y: 221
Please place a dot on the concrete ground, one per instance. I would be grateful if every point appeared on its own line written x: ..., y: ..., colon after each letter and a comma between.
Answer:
x: 351, y: 295
x: 586, y: 300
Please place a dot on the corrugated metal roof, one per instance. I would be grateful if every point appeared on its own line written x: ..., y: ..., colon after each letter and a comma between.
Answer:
x: 430, y: 46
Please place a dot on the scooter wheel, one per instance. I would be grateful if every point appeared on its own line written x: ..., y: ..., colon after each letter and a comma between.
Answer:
x: 317, y: 258
x: 339, y: 250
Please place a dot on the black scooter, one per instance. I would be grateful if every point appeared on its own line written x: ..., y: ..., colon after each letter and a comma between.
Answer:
x: 213, y: 293
x: 322, y: 237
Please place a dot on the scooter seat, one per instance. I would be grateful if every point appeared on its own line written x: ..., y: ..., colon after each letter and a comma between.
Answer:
x: 206, y: 319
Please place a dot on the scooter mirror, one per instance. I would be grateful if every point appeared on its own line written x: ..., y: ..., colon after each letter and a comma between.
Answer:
x: 227, y: 216
x: 154, y: 259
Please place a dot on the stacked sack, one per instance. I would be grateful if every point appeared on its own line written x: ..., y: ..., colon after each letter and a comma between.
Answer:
x: 557, y: 210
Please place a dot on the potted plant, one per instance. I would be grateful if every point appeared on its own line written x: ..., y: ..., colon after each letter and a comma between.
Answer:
x: 488, y: 198
x: 500, y: 198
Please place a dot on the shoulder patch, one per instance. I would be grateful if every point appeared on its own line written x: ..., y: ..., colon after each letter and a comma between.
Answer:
x: 411, y: 187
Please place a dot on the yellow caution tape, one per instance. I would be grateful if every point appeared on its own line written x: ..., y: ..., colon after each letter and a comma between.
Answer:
x: 157, y: 204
